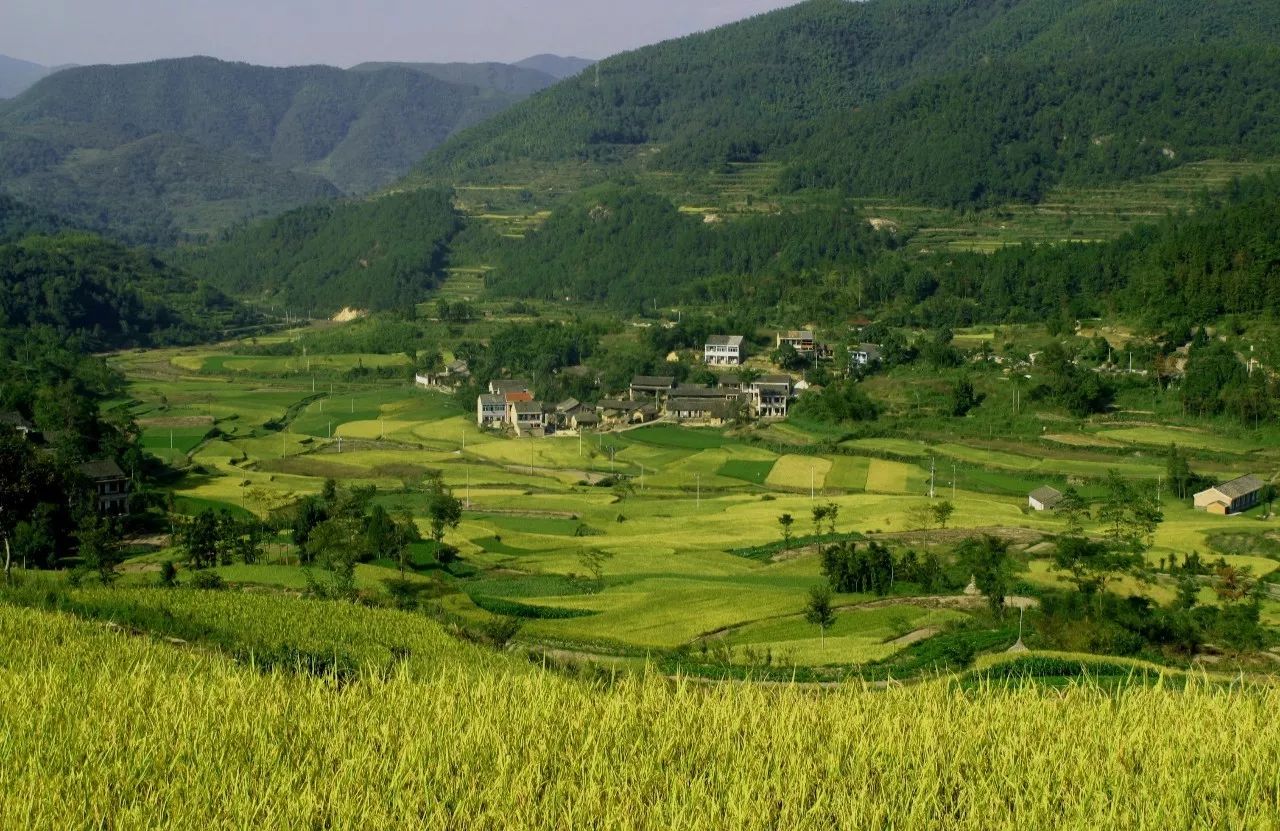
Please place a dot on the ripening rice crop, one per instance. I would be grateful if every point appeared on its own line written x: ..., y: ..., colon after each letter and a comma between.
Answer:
x: 102, y: 729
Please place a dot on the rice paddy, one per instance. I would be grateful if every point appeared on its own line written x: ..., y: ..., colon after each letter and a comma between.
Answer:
x: 667, y: 505
x: 410, y: 728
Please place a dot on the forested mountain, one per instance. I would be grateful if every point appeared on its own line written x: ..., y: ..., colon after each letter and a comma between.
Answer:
x: 557, y: 66
x: 837, y: 77
x: 160, y: 149
x: 104, y: 295
x: 631, y: 250
x: 501, y: 78
x: 386, y: 253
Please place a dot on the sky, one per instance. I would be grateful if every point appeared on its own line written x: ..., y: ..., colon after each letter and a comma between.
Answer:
x: 347, y: 32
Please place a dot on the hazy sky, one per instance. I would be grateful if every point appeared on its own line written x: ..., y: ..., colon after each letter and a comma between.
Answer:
x: 346, y: 32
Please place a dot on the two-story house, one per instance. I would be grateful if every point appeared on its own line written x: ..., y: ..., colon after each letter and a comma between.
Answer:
x: 110, y: 485
x: 770, y: 396
x: 802, y: 340
x: 723, y: 350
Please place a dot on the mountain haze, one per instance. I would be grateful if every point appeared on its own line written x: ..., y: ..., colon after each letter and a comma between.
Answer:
x: 156, y: 150
x: 556, y: 66
x: 499, y: 78
x: 17, y: 76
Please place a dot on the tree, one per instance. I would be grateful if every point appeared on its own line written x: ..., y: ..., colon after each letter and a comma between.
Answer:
x: 443, y: 510
x: 819, y: 514
x: 1073, y: 509
x: 942, y: 512
x: 200, y: 537
x: 833, y: 512
x: 785, y: 522
x: 1130, y: 518
x: 1234, y: 584
x: 963, y: 397
x: 594, y: 560
x: 987, y: 559
x: 819, y: 611
x: 99, y: 543
x: 1178, y: 472
x: 337, y: 545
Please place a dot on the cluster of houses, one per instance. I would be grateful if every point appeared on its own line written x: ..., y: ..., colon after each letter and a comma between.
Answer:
x: 1227, y: 499
x: 729, y: 350
x: 512, y: 404
x: 110, y: 484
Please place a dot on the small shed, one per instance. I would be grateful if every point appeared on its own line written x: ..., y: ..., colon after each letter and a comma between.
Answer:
x: 1044, y: 499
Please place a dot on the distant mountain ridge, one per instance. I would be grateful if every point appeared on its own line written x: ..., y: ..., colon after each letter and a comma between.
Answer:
x: 17, y: 76
x: 505, y: 79
x: 154, y: 151
x: 556, y: 66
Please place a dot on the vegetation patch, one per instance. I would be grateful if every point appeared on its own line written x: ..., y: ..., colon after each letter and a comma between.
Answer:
x: 748, y: 471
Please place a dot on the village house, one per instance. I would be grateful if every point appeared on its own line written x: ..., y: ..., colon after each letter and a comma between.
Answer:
x: 713, y: 411
x: 1232, y: 497
x: 527, y: 417
x: 584, y: 420
x: 453, y: 375
x: 802, y: 340
x: 111, y: 485
x: 617, y: 411
x: 16, y: 422
x: 770, y: 396
x: 515, y: 385
x: 651, y: 387
x: 1044, y: 499
x: 723, y: 350
x: 864, y: 355
x: 491, y: 410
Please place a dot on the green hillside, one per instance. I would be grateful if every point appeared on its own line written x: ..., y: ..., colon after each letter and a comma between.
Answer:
x: 761, y: 88
x: 153, y: 151
x: 105, y: 295
x: 386, y: 253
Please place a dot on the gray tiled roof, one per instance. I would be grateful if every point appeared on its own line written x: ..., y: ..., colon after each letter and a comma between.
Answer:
x: 1047, y: 495
x: 1243, y: 486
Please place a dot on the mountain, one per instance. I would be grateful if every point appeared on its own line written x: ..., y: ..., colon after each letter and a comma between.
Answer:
x: 106, y: 295
x: 556, y: 66
x: 839, y: 77
x: 160, y: 150
x: 501, y: 78
x: 17, y: 76
x: 380, y: 254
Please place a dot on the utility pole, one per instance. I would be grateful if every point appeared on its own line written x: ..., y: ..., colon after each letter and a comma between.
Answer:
x: 339, y: 445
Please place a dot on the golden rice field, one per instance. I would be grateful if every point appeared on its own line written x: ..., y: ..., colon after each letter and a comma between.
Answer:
x: 100, y: 729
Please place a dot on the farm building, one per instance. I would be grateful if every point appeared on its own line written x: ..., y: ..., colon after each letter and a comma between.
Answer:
x: 723, y: 350
x: 584, y: 420
x: 651, y: 387
x: 491, y: 410
x: 1232, y: 497
x: 111, y: 484
x: 802, y: 340
x: 1044, y: 499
